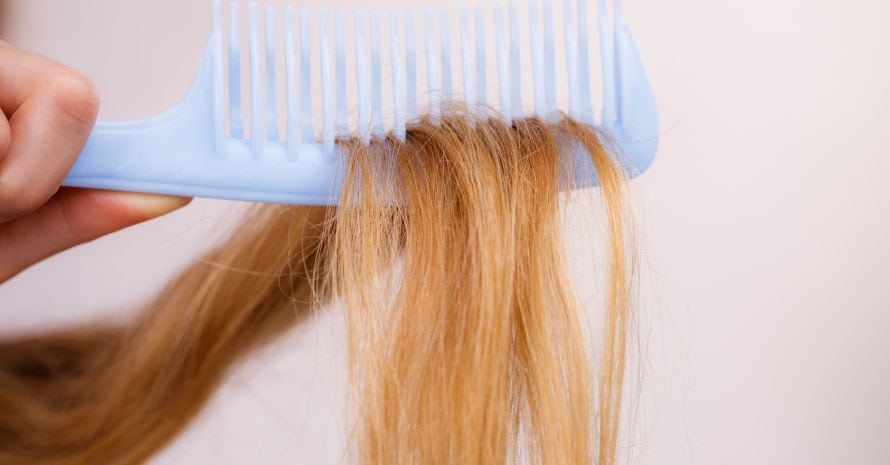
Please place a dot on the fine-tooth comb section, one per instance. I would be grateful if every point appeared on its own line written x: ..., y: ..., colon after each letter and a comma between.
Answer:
x: 316, y: 73
x: 279, y: 85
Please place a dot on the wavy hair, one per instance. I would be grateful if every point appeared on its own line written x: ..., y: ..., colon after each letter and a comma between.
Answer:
x: 463, y: 332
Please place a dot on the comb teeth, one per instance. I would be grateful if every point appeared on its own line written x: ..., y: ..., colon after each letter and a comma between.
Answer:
x: 257, y: 126
x: 466, y: 60
x: 398, y: 79
x: 271, y: 102
x: 340, y: 34
x: 432, y: 70
x: 272, y: 137
x: 376, y: 77
x: 316, y: 63
x: 305, y: 80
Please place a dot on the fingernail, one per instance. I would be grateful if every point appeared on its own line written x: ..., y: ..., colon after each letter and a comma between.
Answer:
x: 152, y: 205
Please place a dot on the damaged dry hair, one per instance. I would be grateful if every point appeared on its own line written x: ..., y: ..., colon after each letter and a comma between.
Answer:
x: 464, y: 337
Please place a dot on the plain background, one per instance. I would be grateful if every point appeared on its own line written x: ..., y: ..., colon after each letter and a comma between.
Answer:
x: 766, y: 216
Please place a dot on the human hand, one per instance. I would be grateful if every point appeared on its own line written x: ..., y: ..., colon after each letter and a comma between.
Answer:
x: 48, y: 111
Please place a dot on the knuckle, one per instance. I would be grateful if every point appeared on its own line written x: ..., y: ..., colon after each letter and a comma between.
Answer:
x: 74, y: 94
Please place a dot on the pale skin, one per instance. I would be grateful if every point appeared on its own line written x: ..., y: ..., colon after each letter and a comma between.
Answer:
x: 48, y: 111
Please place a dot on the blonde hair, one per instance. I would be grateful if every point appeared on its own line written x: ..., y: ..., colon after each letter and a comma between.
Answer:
x: 464, y: 338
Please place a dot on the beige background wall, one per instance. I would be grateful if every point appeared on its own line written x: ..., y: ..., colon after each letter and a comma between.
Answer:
x: 766, y: 300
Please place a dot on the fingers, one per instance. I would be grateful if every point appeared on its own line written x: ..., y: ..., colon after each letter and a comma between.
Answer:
x: 48, y: 111
x: 74, y: 216
x: 23, y: 75
x: 51, y: 110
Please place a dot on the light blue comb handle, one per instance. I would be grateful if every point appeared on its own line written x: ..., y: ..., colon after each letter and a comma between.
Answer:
x: 203, y: 147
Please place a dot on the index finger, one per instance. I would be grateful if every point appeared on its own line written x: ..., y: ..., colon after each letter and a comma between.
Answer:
x: 51, y: 110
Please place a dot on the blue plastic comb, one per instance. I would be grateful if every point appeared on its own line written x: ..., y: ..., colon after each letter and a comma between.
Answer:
x: 200, y: 147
